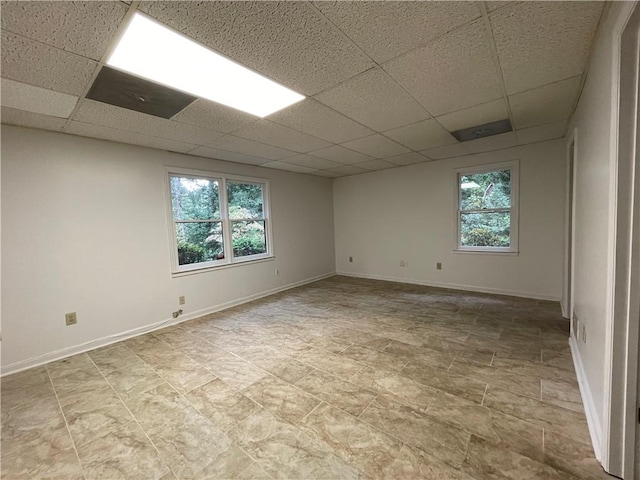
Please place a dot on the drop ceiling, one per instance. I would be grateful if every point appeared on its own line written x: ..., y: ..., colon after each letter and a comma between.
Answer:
x: 386, y: 82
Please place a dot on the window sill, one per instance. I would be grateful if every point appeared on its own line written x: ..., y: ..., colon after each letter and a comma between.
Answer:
x: 183, y: 273
x: 487, y: 252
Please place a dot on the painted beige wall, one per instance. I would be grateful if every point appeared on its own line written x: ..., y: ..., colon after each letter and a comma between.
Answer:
x: 84, y: 228
x: 409, y: 213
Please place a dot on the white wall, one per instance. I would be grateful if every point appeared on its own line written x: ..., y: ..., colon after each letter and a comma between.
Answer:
x: 595, y: 121
x: 84, y: 229
x: 409, y: 213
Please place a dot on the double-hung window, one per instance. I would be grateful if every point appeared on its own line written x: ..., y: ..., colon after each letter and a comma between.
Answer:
x: 217, y: 220
x: 487, y: 213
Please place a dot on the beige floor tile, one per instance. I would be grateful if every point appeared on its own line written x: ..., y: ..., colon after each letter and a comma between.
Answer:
x: 331, y: 363
x: 511, y: 379
x: 469, y: 388
x: 562, y: 394
x: 566, y: 455
x: 416, y: 464
x: 42, y: 460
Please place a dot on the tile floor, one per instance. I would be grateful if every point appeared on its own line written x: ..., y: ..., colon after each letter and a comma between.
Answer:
x: 343, y: 378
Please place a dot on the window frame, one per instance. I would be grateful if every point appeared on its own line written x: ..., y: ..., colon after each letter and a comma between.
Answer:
x: 229, y: 259
x: 514, y: 222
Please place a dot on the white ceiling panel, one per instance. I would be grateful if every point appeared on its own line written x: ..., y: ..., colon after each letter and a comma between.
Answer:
x: 85, y: 28
x: 543, y: 42
x: 452, y: 73
x: 277, y: 135
x: 36, y: 99
x: 387, y: 29
x: 339, y: 154
x: 422, y: 135
x: 407, y: 159
x: 478, y: 115
x: 122, y: 136
x: 289, y: 167
x: 215, y: 116
x: 376, y: 165
x: 495, y: 142
x: 312, y: 162
x: 35, y: 63
x: 219, y: 154
x: 541, y: 133
x: 249, y: 147
x: 12, y: 116
x: 327, y: 173
x: 348, y: 170
x: 98, y: 113
x: 314, y: 118
x: 286, y: 41
x: 448, y: 151
x: 374, y: 100
x: 545, y: 104
x: 377, y: 146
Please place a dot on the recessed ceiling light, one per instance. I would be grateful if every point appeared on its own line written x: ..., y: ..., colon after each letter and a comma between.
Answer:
x: 150, y: 50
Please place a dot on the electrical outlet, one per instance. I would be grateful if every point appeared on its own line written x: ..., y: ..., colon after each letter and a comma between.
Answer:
x: 350, y: 259
x: 439, y: 266
x: 70, y: 318
x: 402, y: 263
x: 181, y: 300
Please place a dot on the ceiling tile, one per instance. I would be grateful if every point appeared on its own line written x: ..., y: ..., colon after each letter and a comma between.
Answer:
x: 249, y: 147
x: 274, y: 134
x: 386, y: 29
x: 219, y: 154
x: 327, y: 173
x: 495, y: 142
x: 22, y: 96
x: 376, y: 146
x: 541, y: 133
x: 448, y: 151
x: 339, y: 154
x: 545, y: 104
x: 286, y: 41
x: 474, y: 116
x: 122, y: 136
x: 374, y: 100
x: 408, y: 159
x: 85, y: 28
x: 543, y: 42
x: 98, y: 113
x: 314, y: 118
x: 452, y: 73
x: 311, y: 162
x: 38, y: 64
x: 348, y: 170
x: 289, y: 167
x: 421, y: 135
x: 376, y: 165
x: 11, y: 116
x: 218, y: 117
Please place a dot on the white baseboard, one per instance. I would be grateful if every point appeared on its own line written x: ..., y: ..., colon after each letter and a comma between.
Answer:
x: 118, y: 337
x: 453, y: 286
x: 593, y: 420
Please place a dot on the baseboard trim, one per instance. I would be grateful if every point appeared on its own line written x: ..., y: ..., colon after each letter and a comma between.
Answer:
x: 104, y: 341
x: 587, y: 400
x: 453, y: 286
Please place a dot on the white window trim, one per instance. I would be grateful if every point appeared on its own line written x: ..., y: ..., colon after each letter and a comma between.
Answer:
x: 512, y: 249
x: 229, y: 260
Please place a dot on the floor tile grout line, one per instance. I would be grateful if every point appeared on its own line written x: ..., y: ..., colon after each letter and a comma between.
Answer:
x: 66, y: 423
x: 484, y: 395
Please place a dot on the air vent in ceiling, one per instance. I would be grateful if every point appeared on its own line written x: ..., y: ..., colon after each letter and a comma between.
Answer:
x: 481, y: 131
x: 123, y: 90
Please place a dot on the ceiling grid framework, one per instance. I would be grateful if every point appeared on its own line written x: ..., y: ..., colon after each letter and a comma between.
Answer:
x: 386, y: 82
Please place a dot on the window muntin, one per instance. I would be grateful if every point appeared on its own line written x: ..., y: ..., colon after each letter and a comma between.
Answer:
x: 487, y: 208
x: 217, y: 220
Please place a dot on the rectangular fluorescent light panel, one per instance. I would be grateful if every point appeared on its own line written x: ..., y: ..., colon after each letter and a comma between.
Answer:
x: 150, y: 50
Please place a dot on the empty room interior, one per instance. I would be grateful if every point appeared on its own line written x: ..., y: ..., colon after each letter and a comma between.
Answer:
x: 320, y: 240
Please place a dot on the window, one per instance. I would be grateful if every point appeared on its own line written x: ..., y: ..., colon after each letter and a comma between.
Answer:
x: 488, y: 208
x: 217, y: 220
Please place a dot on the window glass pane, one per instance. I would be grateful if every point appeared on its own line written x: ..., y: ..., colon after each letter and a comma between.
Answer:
x: 195, y: 198
x: 490, y: 229
x: 249, y: 238
x: 199, y: 242
x: 485, y: 190
x: 245, y: 200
